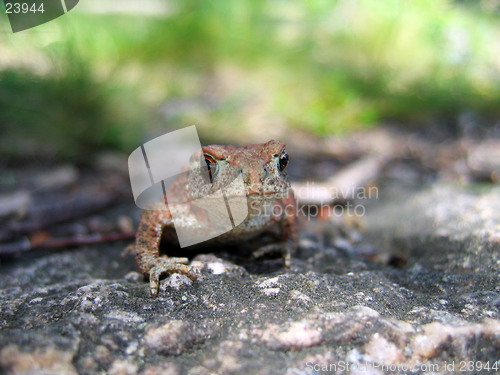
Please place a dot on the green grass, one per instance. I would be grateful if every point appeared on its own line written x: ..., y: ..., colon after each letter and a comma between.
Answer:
x: 60, y: 117
x: 322, y: 66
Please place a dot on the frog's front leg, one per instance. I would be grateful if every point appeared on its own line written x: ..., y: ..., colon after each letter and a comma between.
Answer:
x: 285, y: 215
x: 289, y: 228
x: 147, y: 249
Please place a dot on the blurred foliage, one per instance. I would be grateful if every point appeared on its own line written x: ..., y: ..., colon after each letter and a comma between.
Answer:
x: 101, y: 80
x: 59, y: 117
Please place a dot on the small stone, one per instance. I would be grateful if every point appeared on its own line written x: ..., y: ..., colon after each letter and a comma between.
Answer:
x: 165, y: 339
x: 167, y: 368
x: 125, y: 224
x: 14, y: 204
x: 57, y: 178
x: 121, y: 367
x: 47, y: 360
x: 299, y: 296
x: 216, y: 268
x: 300, y: 334
x: 382, y: 351
x: 175, y: 281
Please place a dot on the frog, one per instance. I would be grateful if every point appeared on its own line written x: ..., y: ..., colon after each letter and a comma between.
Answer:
x: 269, y: 198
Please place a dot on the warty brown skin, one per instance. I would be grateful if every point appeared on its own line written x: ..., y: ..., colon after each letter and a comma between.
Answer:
x: 266, y: 184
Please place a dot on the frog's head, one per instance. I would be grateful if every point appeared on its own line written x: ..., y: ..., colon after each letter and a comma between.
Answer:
x: 257, y: 171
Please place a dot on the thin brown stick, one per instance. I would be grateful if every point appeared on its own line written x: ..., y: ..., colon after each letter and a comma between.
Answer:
x: 343, y: 185
x: 14, y: 248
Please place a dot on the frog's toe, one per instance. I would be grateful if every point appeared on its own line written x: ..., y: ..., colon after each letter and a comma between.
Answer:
x: 154, y: 283
x: 168, y: 265
x: 266, y: 250
x: 271, y: 249
x: 286, y: 259
x: 178, y: 260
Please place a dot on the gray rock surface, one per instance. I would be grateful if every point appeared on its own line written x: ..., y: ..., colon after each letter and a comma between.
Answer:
x: 87, y: 310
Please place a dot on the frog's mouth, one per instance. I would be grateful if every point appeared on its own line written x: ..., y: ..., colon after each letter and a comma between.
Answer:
x: 259, y: 197
x: 266, y: 193
x: 274, y: 195
x: 266, y: 196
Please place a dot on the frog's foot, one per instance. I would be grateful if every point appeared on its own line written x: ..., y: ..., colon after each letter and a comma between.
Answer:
x: 271, y: 249
x: 168, y: 265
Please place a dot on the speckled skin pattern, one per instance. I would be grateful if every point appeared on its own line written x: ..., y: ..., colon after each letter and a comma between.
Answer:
x: 269, y: 197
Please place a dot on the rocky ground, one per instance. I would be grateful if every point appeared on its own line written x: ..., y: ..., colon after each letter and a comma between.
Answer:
x: 418, y: 292
x: 411, y: 285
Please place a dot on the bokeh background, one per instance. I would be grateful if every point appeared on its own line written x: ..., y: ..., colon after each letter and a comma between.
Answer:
x: 109, y: 75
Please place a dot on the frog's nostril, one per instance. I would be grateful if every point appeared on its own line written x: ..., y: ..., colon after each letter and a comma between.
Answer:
x: 265, y: 171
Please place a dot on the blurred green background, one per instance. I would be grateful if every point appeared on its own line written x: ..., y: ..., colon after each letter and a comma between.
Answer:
x: 109, y: 76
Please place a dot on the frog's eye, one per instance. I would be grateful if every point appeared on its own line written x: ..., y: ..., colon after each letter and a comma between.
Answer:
x: 212, y: 168
x: 282, y: 160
